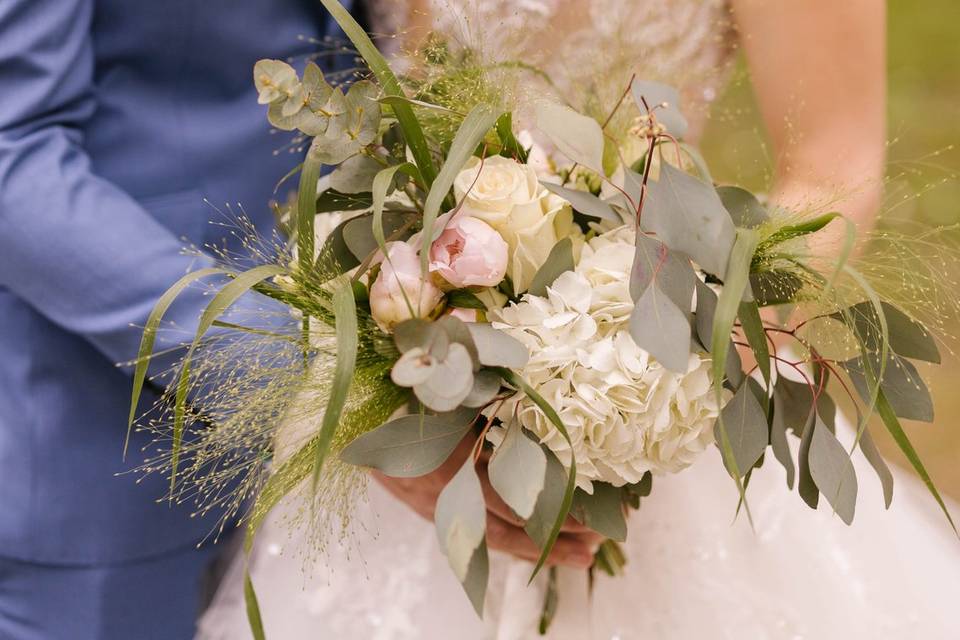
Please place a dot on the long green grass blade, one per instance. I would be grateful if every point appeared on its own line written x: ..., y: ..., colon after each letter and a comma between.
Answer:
x: 150, y: 336
x: 345, y: 310
x: 471, y: 132
x: 409, y: 125
x: 512, y: 378
x: 735, y: 283
x: 253, y: 608
x: 892, y: 423
x: 307, y: 211
x: 229, y: 294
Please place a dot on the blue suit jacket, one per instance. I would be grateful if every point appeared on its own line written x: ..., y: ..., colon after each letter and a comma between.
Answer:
x: 116, y: 119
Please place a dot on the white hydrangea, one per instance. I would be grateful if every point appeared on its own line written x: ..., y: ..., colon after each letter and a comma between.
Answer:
x: 625, y: 413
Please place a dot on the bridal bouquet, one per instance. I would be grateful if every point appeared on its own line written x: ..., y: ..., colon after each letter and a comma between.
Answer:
x: 575, y: 298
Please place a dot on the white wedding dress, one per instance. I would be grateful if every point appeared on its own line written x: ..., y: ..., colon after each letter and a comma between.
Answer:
x: 692, y: 572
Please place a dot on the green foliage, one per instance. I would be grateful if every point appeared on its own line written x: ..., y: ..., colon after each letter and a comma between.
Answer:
x: 518, y: 470
x: 558, y: 262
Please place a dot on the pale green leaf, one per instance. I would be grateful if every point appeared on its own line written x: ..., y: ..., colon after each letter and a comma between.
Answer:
x: 558, y: 262
x: 355, y: 175
x: 873, y: 456
x: 907, y: 337
x: 576, y: 136
x: 410, y: 446
x: 602, y: 511
x: 901, y: 384
x: 254, y: 618
x: 662, y: 329
x: 746, y: 427
x: 497, y: 349
x: 585, y: 202
x: 833, y: 472
x: 461, y: 518
x: 518, y: 470
x: 744, y: 208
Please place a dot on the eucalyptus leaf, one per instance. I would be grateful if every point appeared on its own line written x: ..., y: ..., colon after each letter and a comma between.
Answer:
x: 901, y: 384
x: 778, y: 438
x: 664, y: 101
x: 412, y: 445
x: 584, y: 202
x: 539, y: 526
x: 746, y: 425
x: 273, y: 80
x: 873, y: 456
x: 805, y: 483
x: 576, y: 136
x: 907, y: 337
x: 744, y: 208
x: 706, y: 307
x: 413, y: 367
x: 518, y: 470
x: 478, y: 572
x: 486, y: 385
x: 461, y: 518
x: 602, y: 511
x: 687, y: 215
x: 662, y: 329
x: 668, y: 271
x: 833, y: 472
x: 497, y: 349
x: 794, y: 404
x: 752, y: 326
x: 359, y: 235
x: 558, y: 262
x: 355, y: 174
x: 450, y: 382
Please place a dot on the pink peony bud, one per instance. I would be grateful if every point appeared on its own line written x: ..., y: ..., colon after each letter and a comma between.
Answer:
x: 399, y: 287
x: 469, y: 253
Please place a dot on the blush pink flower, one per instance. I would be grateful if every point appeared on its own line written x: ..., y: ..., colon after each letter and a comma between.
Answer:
x: 399, y: 289
x: 469, y: 253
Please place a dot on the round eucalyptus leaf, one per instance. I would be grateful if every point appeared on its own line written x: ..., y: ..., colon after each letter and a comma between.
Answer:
x: 486, y: 384
x: 414, y: 367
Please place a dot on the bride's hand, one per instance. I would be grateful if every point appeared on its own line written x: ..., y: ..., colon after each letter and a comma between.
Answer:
x: 575, y: 547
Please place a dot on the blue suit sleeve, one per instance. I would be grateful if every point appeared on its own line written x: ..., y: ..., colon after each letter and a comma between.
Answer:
x: 74, y: 246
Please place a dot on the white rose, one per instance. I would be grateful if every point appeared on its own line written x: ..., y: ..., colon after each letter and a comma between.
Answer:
x: 506, y: 195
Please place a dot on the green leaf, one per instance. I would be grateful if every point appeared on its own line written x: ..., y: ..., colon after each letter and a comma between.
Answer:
x: 306, y: 210
x: 585, y: 202
x: 778, y: 436
x: 903, y: 442
x: 794, y: 401
x: 382, y: 182
x: 901, y: 384
x: 150, y: 335
x: 229, y: 294
x: 360, y: 233
x: 355, y: 175
x: 752, y: 326
x: 664, y: 101
x: 345, y: 311
x: 461, y: 518
x: 873, y: 456
x: 495, y: 348
x: 602, y: 511
x: 687, y: 215
x: 410, y: 446
x: 744, y: 208
x: 735, y: 284
x: 450, y: 382
x: 662, y: 329
x: 907, y: 337
x: 576, y: 136
x: 746, y: 427
x: 253, y: 608
x: 669, y: 271
x: 539, y: 526
x: 517, y: 382
x: 471, y: 132
x: 478, y: 573
x: 558, y: 262
x: 706, y: 308
x: 518, y: 470
x: 508, y: 141
x: 805, y: 483
x: 409, y: 125
x: 332, y: 200
x: 833, y: 472
x: 464, y: 299
x: 486, y: 385
x: 791, y: 231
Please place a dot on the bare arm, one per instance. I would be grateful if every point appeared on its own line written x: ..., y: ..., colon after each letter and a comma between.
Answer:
x: 818, y: 67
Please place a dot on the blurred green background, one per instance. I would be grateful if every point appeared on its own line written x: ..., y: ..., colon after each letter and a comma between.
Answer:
x: 923, y: 162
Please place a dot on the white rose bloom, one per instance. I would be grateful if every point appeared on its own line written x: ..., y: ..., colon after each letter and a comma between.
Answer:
x: 506, y: 195
x: 625, y: 413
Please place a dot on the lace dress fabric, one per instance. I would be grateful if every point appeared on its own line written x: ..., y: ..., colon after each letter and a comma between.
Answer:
x: 691, y: 572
